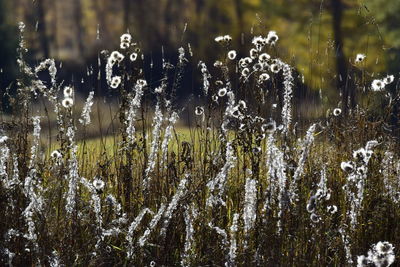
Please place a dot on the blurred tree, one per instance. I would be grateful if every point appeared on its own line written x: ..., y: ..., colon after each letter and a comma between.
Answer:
x: 8, y: 54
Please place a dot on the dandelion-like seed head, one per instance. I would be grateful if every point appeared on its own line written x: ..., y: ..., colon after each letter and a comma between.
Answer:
x: 214, y: 98
x: 152, y: 264
x: 347, y: 166
x: 141, y: 83
x: 219, y: 39
x: 68, y: 91
x: 263, y: 77
x: 115, y: 81
x: 98, y: 184
x: 247, y: 60
x: 363, y: 261
x: 199, y: 111
x: 332, y: 209
x: 314, y: 218
x: 377, y: 85
x: 67, y: 102
x: 337, y: 112
x: 253, y: 53
x: 388, y: 79
x: 258, y: 41
x: 264, y: 57
x: 232, y: 54
x: 124, y: 45
x: 257, y: 67
x: 222, y: 92
x: 272, y: 38
x: 236, y: 113
x: 55, y: 154
x: 133, y: 57
x: 384, y: 247
x: 117, y: 56
x: 245, y: 72
x: 126, y: 38
x: 227, y: 38
x: 360, y: 58
x: 275, y: 68
x: 359, y: 154
x: 256, y: 150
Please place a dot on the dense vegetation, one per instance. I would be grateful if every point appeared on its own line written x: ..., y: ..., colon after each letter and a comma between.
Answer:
x: 234, y: 177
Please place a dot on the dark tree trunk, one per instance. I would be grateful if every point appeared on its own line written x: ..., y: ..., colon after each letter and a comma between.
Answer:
x: 343, y: 81
x: 42, y: 29
x: 79, y: 27
x: 127, y: 10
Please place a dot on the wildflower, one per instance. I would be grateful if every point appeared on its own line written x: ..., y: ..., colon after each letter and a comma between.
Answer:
x: 68, y: 91
x: 253, y: 53
x: 55, y: 154
x: 337, y: 112
x: 232, y: 54
x: 245, y: 72
x: 98, y: 184
x: 332, y: 209
x: 126, y: 38
x: 359, y: 154
x: 388, y: 79
x: 272, y: 38
x: 347, y: 166
x: 116, y: 80
x: 133, y: 57
x: 242, y: 127
x: 263, y: 77
x: 256, y: 150
x: 199, y: 111
x: 378, y: 85
x: 67, y: 102
x: 360, y: 58
x: 264, y: 57
x: 214, y: 98
x: 222, y: 92
x: 275, y: 68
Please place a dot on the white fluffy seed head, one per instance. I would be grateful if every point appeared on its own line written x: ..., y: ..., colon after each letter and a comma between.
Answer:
x: 67, y: 102
x: 68, y: 91
x: 232, y: 54
x: 360, y: 58
x: 115, y: 82
x: 377, y: 85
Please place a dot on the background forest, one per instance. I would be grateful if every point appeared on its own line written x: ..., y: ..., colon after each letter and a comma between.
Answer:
x: 75, y: 31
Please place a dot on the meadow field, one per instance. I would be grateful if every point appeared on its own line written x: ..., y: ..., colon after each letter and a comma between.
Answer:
x: 235, y: 176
